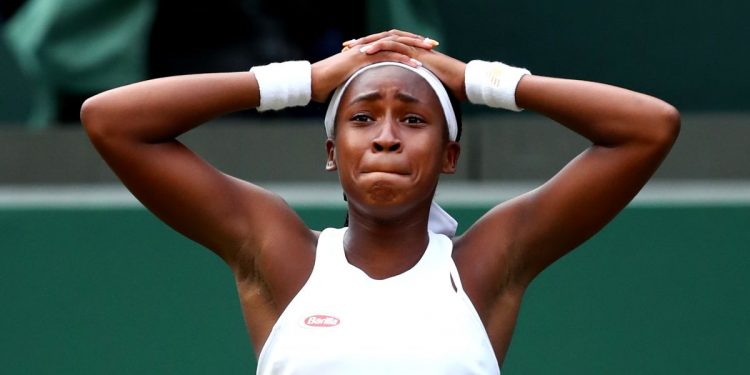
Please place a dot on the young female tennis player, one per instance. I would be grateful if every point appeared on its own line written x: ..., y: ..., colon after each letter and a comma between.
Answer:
x: 393, y: 292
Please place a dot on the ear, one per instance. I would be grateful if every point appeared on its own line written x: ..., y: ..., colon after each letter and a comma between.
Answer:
x: 331, y: 155
x: 450, y: 157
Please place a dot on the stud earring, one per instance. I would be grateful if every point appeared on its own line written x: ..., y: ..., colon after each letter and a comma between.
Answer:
x: 329, y: 164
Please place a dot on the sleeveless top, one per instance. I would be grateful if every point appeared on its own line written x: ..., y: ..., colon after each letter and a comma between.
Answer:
x: 344, y: 322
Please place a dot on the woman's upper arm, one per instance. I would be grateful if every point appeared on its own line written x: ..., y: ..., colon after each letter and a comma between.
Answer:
x: 631, y: 134
x: 222, y: 213
x: 135, y: 127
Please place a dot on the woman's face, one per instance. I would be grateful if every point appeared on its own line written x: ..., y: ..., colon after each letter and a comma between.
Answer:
x: 391, y: 142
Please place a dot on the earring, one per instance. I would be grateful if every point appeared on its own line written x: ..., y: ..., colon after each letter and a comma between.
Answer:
x: 329, y: 164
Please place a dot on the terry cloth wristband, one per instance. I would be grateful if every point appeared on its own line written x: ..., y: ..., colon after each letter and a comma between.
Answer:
x: 493, y: 84
x: 282, y: 85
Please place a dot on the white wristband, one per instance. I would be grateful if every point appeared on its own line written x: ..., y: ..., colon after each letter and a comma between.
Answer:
x: 493, y: 84
x: 282, y: 85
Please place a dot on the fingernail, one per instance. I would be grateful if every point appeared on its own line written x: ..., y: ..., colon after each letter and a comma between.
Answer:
x: 348, y: 42
x: 433, y: 42
x: 415, y: 61
x: 365, y: 48
x: 346, y: 48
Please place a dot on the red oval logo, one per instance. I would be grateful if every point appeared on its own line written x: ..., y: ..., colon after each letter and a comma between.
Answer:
x: 321, y: 321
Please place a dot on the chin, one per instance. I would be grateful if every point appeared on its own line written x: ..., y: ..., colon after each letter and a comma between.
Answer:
x: 382, y: 193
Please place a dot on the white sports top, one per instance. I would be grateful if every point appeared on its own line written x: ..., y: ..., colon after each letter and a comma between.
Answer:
x: 344, y: 322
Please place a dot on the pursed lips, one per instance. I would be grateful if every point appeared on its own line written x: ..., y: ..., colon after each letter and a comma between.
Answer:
x: 372, y: 173
x: 392, y: 164
x: 385, y: 168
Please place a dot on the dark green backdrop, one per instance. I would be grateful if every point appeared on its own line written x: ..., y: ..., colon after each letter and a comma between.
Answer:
x: 662, y: 290
x: 691, y: 53
x: 687, y: 52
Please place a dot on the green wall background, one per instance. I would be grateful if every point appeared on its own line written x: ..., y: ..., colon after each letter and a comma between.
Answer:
x: 661, y: 290
x: 677, y: 50
x: 691, y: 53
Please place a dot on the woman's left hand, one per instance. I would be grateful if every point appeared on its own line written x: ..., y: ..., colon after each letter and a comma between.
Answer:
x: 449, y: 70
x: 329, y: 73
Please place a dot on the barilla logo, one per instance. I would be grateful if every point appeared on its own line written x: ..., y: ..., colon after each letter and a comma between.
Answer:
x: 321, y: 321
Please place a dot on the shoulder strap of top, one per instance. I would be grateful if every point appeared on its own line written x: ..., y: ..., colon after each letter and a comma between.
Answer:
x: 448, y: 248
x: 327, y: 252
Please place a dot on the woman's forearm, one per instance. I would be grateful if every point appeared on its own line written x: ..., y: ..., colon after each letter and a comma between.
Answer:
x: 607, y: 115
x: 161, y: 109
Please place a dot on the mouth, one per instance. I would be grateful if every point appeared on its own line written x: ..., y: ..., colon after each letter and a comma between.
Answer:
x: 382, y: 168
x: 385, y: 171
x: 380, y: 173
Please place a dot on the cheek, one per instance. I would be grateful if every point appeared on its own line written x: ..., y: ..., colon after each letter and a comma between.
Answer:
x: 429, y: 148
x: 347, y: 153
x: 351, y: 140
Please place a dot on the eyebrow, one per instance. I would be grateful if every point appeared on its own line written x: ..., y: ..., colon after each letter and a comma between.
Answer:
x: 375, y: 95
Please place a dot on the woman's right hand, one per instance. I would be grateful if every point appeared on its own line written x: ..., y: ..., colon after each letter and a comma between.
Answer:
x: 391, y: 45
x: 448, y: 69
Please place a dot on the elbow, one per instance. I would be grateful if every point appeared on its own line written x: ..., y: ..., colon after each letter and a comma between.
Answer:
x: 665, y: 125
x: 93, y: 117
x: 88, y: 115
x: 87, y: 110
x: 670, y: 123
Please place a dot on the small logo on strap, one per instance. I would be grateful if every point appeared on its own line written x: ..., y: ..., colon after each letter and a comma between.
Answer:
x: 321, y: 321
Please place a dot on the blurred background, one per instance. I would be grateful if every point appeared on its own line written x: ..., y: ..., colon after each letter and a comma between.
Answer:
x: 92, y: 283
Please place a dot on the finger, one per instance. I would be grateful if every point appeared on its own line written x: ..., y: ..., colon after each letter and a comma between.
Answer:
x: 390, y: 34
x: 431, y: 42
x: 366, y: 40
x: 424, y: 43
x: 391, y: 45
x: 404, y: 33
x: 388, y: 50
x: 397, y: 57
x: 382, y: 45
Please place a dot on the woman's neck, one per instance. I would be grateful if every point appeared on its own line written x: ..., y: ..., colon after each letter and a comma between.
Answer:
x: 384, y: 249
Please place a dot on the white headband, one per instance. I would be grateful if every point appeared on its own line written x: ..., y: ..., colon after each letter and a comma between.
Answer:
x: 432, y: 80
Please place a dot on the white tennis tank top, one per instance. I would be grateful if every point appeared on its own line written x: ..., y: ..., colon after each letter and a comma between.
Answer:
x: 344, y: 322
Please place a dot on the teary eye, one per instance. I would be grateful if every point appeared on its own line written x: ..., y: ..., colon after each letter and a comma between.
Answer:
x: 413, y: 119
x: 361, y: 117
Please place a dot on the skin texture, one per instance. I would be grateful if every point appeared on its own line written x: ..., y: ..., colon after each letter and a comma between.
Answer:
x: 389, y: 151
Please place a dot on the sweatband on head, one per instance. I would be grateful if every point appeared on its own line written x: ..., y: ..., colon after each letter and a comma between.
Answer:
x: 282, y: 85
x: 432, y: 80
x: 493, y: 84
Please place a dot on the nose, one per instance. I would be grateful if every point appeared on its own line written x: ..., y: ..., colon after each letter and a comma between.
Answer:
x: 387, y: 140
